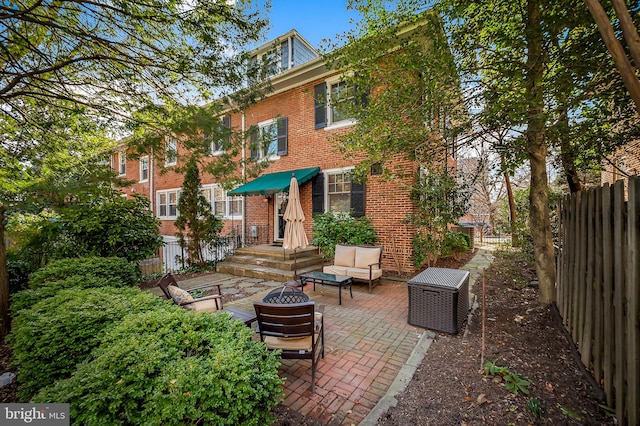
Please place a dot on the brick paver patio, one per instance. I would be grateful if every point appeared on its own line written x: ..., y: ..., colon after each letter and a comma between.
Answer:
x: 367, y: 344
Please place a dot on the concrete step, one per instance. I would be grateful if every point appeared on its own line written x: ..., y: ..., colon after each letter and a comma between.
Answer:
x: 274, y: 252
x: 270, y: 262
x: 263, y: 272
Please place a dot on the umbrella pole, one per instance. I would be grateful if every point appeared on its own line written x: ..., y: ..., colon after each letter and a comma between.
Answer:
x: 295, y: 265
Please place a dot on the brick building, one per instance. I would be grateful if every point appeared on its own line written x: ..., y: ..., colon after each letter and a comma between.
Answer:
x: 301, y: 130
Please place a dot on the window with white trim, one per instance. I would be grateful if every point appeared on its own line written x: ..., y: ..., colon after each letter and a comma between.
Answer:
x: 222, y: 205
x: 339, y: 191
x: 171, y: 152
x: 122, y: 163
x: 335, y: 190
x: 144, y: 168
x: 167, y: 203
x: 218, y: 141
x: 269, y: 139
x: 332, y: 102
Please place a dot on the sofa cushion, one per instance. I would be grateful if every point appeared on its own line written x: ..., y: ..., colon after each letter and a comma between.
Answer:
x: 344, y: 256
x: 363, y: 274
x: 304, y: 344
x: 337, y: 270
x: 208, y: 305
x: 365, y: 256
x: 179, y: 295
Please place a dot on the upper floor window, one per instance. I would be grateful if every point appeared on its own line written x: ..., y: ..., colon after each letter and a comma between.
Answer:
x: 122, y: 163
x: 168, y: 203
x: 144, y: 168
x: 269, y: 139
x: 171, y: 152
x: 220, y: 140
x: 333, y: 100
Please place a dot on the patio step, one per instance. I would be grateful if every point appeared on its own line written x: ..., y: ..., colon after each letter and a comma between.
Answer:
x: 271, y: 263
x: 266, y: 273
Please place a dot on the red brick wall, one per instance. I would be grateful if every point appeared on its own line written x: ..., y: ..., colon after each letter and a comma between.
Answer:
x: 387, y: 202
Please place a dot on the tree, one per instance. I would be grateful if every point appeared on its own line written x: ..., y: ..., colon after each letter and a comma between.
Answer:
x: 117, y: 57
x: 406, y: 93
x: 197, y: 225
x: 86, y: 62
x: 519, y: 59
x: 628, y: 72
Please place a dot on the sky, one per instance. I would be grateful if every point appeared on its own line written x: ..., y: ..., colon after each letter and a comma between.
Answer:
x: 314, y: 20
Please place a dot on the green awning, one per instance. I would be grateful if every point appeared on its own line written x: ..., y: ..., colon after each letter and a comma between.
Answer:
x: 272, y: 183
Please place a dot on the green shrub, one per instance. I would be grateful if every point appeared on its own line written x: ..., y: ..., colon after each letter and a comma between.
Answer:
x: 59, y: 332
x: 104, y: 267
x: 25, y: 299
x: 333, y: 228
x: 455, y: 243
x: 171, y: 368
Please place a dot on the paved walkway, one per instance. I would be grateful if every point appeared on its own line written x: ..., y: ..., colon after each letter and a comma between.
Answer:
x: 371, y: 352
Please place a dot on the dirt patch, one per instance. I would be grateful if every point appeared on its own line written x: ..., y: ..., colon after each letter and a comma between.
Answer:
x: 449, y: 388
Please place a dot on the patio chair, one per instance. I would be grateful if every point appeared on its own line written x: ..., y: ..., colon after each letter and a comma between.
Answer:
x: 183, y: 298
x: 295, y: 329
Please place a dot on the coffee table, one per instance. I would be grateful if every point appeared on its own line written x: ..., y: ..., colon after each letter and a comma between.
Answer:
x: 317, y: 277
x: 240, y: 314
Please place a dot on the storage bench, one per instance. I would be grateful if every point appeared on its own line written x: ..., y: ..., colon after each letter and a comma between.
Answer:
x: 439, y: 299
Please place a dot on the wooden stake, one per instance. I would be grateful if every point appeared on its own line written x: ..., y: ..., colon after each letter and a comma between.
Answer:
x: 484, y: 314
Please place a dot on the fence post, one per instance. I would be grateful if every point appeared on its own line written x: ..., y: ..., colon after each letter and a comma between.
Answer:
x: 633, y: 302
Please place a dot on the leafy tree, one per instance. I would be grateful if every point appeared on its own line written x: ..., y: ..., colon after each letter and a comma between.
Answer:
x: 71, y: 66
x: 107, y: 226
x: 533, y: 67
x: 197, y: 225
x: 440, y: 201
x: 405, y: 101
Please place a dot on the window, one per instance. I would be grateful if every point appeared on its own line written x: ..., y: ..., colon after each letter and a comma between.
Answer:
x: 221, y: 204
x: 168, y: 203
x: 171, y: 153
x: 269, y: 139
x: 219, y: 140
x: 144, y: 168
x: 332, y: 102
x: 334, y: 190
x: 339, y: 191
x: 122, y: 163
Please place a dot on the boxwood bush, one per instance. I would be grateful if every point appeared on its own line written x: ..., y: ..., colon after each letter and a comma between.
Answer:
x: 171, y: 368
x: 59, y: 332
x: 333, y: 228
x: 25, y: 299
x: 116, y: 268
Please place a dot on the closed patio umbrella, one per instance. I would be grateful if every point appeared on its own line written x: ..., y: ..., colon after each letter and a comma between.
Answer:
x: 294, y: 236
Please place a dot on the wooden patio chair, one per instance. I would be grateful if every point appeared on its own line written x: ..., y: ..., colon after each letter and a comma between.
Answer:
x: 181, y: 297
x: 296, y: 329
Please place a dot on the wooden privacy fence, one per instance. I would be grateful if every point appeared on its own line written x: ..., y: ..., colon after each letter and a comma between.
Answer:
x: 599, y: 288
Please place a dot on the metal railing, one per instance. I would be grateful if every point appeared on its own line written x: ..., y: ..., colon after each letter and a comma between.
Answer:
x: 175, y: 257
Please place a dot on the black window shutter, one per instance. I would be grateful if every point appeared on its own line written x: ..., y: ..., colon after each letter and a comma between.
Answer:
x: 361, y: 97
x: 282, y: 136
x: 320, y: 105
x: 253, y: 142
x: 317, y: 194
x: 357, y: 199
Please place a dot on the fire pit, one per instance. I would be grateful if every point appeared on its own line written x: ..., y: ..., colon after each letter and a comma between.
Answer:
x: 285, y: 295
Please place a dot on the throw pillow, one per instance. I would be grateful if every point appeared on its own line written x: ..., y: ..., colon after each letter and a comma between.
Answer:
x: 179, y: 295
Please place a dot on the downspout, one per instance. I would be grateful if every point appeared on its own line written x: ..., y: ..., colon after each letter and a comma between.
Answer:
x: 243, y: 231
x: 151, y: 182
